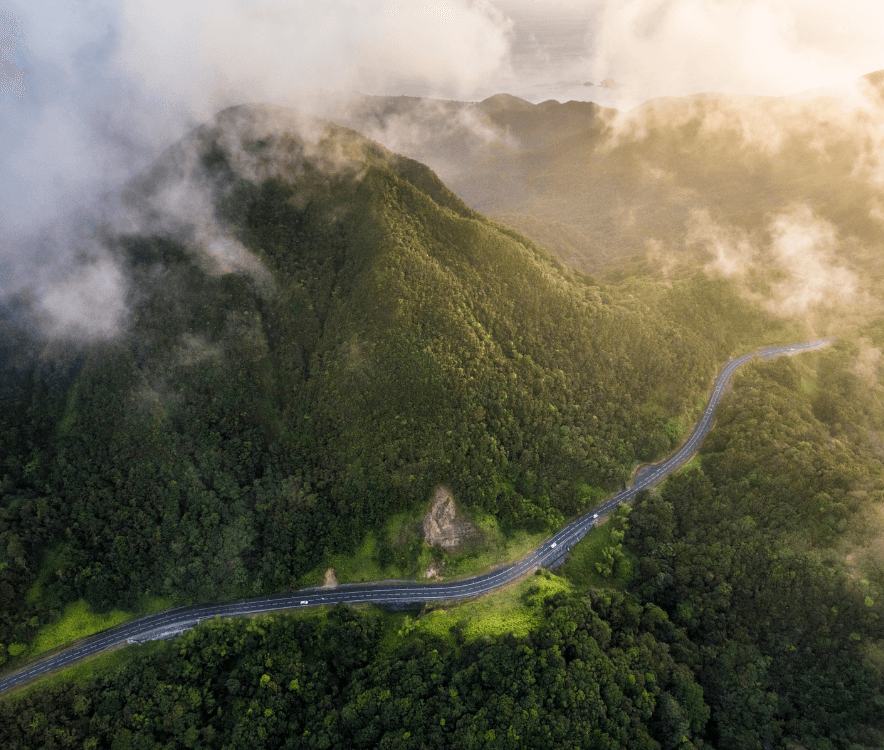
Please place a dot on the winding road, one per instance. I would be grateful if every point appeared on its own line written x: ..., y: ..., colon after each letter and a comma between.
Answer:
x: 399, y: 594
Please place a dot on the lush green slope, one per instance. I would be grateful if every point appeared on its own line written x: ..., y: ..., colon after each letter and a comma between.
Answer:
x: 600, y: 672
x: 608, y: 191
x: 748, y: 556
x: 250, y: 423
x: 245, y: 428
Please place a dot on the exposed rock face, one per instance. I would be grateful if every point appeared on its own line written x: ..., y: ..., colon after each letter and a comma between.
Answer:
x: 435, y: 570
x: 330, y: 579
x: 443, y: 527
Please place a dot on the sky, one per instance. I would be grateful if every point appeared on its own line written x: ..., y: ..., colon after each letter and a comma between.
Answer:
x: 91, y: 91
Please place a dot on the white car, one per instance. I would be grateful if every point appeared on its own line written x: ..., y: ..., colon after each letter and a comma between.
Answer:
x: 554, y: 545
x: 304, y: 601
x: 595, y: 515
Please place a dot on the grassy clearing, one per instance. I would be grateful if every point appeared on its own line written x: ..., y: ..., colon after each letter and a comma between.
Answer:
x: 364, y: 564
x: 77, y: 621
x: 403, y: 534
x: 497, y: 547
x: 514, y: 609
x: 581, y: 570
x: 694, y: 463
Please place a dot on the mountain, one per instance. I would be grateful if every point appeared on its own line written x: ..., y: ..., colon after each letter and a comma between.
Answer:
x: 628, y: 192
x: 320, y: 333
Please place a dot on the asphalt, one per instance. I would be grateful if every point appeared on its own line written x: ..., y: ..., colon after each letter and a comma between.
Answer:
x: 173, y: 622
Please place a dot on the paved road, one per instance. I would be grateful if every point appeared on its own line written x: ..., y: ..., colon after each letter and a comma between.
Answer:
x: 174, y: 621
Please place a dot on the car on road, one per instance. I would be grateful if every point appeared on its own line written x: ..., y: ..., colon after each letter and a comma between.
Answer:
x: 305, y: 601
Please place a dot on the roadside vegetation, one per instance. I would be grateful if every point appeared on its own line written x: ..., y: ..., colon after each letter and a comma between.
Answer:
x: 334, y: 678
x: 599, y: 560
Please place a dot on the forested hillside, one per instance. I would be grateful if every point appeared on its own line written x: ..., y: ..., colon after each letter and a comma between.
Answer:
x: 762, y: 556
x: 344, y: 336
x: 607, y: 190
x: 599, y: 673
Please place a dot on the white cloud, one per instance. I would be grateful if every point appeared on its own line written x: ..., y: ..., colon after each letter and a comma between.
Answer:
x: 800, y: 260
x: 218, y: 52
x: 89, y: 304
x: 775, y: 47
x: 805, y: 247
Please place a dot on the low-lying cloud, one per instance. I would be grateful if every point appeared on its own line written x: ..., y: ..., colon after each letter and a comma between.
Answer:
x: 89, y: 302
x: 91, y: 93
x: 793, y: 269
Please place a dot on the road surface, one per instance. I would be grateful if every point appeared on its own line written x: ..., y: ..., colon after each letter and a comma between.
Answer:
x: 399, y: 594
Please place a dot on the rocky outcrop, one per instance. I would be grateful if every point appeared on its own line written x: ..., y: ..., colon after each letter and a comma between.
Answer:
x: 330, y: 580
x: 443, y: 527
x: 434, y: 570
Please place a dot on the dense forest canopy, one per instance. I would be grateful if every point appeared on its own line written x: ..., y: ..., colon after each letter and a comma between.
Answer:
x: 251, y: 422
x: 324, y: 335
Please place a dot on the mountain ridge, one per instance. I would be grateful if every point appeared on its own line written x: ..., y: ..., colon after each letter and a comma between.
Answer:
x: 315, y: 349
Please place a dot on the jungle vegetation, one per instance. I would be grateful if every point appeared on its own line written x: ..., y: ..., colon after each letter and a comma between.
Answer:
x: 247, y: 426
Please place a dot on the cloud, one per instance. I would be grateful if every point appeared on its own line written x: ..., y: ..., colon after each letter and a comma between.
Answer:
x: 78, y: 129
x: 89, y: 303
x: 760, y: 47
x: 218, y: 52
x: 733, y: 253
x: 93, y: 91
x: 797, y: 260
x: 806, y: 249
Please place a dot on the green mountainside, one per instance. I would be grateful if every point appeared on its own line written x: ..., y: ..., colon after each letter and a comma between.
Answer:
x: 383, y: 339
x: 321, y: 333
x: 605, y: 190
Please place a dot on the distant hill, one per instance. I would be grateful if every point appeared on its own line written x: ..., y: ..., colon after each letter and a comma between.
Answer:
x: 610, y: 192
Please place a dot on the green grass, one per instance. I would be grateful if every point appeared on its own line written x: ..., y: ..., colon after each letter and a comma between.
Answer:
x: 694, y: 463
x: 363, y: 565
x: 497, y: 547
x: 514, y: 609
x: 580, y: 569
x: 77, y: 621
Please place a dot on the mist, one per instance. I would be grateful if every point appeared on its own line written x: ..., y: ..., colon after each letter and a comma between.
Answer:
x: 92, y: 93
x: 792, y: 268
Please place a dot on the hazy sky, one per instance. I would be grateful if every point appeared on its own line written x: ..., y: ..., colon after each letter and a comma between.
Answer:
x: 91, y: 90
